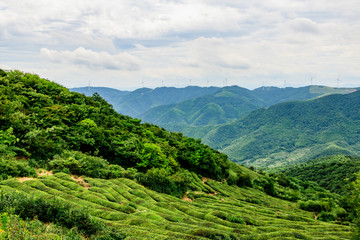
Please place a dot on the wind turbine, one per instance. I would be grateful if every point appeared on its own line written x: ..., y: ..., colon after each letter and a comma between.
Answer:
x: 337, y: 81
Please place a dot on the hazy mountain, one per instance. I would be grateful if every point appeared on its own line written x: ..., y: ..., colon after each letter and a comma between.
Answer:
x: 222, y: 106
x: 274, y: 95
x: 111, y: 95
x: 141, y: 100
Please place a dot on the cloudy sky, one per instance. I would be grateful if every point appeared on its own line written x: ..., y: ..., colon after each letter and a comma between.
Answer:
x: 128, y: 44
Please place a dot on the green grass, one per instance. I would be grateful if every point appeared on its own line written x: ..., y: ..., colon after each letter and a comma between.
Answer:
x: 233, y: 213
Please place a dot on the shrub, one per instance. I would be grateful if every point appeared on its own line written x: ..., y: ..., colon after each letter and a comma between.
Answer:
x: 313, y: 206
x: 236, y: 219
x: 245, y: 180
x: 267, y: 185
x: 11, y: 168
x: 327, y: 216
x: 54, y: 210
x: 162, y: 181
x: 80, y: 164
x: 233, y: 178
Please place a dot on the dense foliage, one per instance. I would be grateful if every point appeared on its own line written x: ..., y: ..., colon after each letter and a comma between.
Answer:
x: 51, y: 211
x: 13, y: 227
x: 46, y: 119
x: 332, y: 173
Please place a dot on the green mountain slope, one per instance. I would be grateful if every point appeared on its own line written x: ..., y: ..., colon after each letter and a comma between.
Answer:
x: 329, y: 172
x: 224, y: 105
x: 47, y: 119
x: 292, y: 132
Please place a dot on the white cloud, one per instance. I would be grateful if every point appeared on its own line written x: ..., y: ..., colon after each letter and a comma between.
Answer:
x: 91, y: 59
x: 154, y: 40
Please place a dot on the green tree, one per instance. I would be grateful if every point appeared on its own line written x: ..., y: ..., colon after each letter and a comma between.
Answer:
x: 352, y: 200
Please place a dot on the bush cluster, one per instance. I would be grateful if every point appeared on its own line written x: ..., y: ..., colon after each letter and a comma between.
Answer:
x: 10, y: 167
x: 161, y: 180
x: 78, y: 163
x: 49, y: 210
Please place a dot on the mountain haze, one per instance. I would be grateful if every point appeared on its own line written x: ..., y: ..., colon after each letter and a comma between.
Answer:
x: 141, y: 100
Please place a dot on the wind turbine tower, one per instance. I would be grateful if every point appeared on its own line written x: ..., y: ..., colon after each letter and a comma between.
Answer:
x: 337, y: 81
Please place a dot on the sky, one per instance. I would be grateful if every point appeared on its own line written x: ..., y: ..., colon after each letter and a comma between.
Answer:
x: 128, y: 44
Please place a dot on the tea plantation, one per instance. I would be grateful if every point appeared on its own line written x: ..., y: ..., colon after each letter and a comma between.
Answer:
x: 220, y: 212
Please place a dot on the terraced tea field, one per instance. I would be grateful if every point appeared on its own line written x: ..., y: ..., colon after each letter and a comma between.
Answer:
x: 218, y: 212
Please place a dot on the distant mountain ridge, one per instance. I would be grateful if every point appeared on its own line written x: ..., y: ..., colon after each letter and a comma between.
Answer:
x: 198, y: 116
x: 134, y: 103
x: 224, y: 105
x: 164, y: 105
x: 292, y: 132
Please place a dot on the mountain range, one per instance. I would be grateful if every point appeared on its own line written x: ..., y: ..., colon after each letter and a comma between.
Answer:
x: 293, y: 131
x: 266, y: 127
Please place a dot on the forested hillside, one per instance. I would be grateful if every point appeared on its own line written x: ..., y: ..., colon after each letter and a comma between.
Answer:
x: 71, y: 167
x: 224, y: 105
x: 46, y: 119
x: 292, y: 132
x: 198, y: 116
x: 332, y: 172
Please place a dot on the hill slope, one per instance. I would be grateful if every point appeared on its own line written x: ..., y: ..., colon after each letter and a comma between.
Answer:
x: 197, y: 116
x: 47, y: 119
x: 222, y: 106
x: 292, y: 132
x: 139, y: 213
x: 329, y: 172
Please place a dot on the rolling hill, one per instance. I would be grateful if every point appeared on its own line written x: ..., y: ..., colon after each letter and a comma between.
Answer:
x: 292, y: 132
